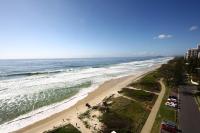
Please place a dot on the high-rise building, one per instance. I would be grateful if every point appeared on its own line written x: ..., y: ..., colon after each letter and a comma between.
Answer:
x: 198, y: 47
x: 193, y: 53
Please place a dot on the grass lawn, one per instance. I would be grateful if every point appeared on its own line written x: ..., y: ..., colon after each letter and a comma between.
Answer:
x: 139, y: 95
x: 124, y: 116
x: 164, y: 113
x: 148, y: 82
x: 65, y: 129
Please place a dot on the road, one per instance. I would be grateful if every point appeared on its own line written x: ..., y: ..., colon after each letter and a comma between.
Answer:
x: 189, y: 114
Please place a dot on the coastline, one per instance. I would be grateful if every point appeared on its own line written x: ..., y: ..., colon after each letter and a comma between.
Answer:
x: 70, y: 115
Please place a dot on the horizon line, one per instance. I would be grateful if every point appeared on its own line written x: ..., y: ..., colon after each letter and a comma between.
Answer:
x: 86, y: 57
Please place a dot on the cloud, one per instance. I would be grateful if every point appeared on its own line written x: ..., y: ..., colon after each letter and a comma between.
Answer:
x: 194, y: 27
x: 163, y: 36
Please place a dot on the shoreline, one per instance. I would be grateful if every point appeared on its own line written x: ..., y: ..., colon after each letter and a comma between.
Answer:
x: 70, y: 115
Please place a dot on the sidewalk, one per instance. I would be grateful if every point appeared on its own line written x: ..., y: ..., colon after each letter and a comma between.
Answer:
x: 152, y: 116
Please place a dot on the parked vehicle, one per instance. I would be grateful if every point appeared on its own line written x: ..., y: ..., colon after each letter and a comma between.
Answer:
x: 173, y: 97
x: 168, y: 126
x: 172, y: 102
x: 167, y: 103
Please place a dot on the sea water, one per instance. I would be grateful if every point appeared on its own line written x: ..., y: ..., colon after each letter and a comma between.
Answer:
x: 31, y: 90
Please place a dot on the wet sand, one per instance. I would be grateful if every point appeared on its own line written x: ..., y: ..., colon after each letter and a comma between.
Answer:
x: 70, y: 115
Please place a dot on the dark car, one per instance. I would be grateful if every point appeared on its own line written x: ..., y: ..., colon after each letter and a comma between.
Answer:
x: 168, y: 127
x: 173, y: 97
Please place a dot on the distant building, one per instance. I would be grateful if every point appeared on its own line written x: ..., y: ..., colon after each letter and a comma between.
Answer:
x: 198, y: 47
x: 193, y: 53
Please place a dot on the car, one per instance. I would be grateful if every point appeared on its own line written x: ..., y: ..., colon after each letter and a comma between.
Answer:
x: 167, y: 103
x: 169, y: 99
x: 168, y: 126
x: 173, y: 100
x: 171, y: 104
x: 173, y: 97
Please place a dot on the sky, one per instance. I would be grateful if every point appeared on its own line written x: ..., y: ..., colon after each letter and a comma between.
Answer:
x: 97, y: 28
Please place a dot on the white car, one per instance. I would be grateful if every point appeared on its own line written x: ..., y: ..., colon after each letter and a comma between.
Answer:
x: 171, y: 99
x: 171, y: 104
x: 167, y: 103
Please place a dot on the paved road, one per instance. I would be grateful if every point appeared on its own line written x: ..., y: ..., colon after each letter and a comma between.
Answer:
x: 189, y: 114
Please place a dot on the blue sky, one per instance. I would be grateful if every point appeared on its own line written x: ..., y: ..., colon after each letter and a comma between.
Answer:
x: 97, y: 28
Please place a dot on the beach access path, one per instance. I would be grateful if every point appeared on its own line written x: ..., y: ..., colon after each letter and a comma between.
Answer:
x: 152, y: 116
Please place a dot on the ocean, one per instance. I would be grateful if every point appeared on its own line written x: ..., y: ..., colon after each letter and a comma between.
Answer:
x: 31, y: 90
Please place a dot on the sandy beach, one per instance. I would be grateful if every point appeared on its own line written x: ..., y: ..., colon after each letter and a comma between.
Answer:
x: 70, y: 115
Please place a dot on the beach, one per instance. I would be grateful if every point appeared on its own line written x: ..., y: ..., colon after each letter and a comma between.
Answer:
x: 95, y: 97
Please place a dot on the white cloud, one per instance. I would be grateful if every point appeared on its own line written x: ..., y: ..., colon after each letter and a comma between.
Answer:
x: 194, y: 27
x: 163, y: 36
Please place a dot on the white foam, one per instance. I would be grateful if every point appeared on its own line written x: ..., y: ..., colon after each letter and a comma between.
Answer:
x: 22, y: 86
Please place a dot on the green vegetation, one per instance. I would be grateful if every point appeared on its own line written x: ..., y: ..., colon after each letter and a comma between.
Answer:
x: 124, y: 116
x: 87, y: 125
x: 84, y: 115
x: 172, y: 72
x: 139, y: 95
x: 164, y: 113
x: 197, y: 97
x: 128, y: 115
x: 192, y: 64
x: 148, y: 82
x: 193, y: 69
x: 65, y: 129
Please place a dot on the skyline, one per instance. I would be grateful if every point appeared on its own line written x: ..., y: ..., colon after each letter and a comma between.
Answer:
x: 97, y: 28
